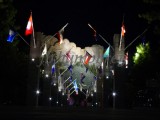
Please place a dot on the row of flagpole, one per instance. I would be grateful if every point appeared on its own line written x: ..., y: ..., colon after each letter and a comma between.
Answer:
x: 30, y: 31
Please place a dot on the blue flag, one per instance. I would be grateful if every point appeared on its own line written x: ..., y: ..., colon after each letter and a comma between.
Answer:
x: 70, y: 78
x: 106, y: 54
x: 75, y: 86
x: 53, y: 68
x: 70, y: 68
x: 95, y: 77
x: 11, y: 35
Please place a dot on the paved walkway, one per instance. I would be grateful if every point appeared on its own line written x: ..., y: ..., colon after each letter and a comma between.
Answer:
x: 74, y: 113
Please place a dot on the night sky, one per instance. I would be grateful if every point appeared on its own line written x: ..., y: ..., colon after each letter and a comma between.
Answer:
x: 105, y: 16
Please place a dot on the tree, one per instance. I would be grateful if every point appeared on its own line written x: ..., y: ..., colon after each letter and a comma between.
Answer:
x: 141, y: 54
x: 13, y: 62
x: 152, y: 14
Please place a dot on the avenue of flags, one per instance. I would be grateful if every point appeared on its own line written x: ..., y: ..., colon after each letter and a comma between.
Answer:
x: 87, y: 56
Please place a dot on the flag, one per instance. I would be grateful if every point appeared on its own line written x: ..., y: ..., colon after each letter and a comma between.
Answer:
x: 60, y: 34
x: 53, y: 69
x: 68, y: 55
x: 126, y: 59
x: 11, y: 35
x: 44, y: 52
x: 106, y: 54
x: 60, y: 37
x: 70, y: 68
x: 71, y: 78
x: 123, y: 31
x: 95, y: 77
x: 75, y: 86
x: 87, y: 58
x: 82, y: 77
x: 29, y: 28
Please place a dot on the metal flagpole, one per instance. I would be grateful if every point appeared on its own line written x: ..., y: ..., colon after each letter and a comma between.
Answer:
x: 55, y: 34
x: 100, y: 35
x: 106, y: 41
x: 23, y: 39
x: 70, y: 83
x: 137, y: 38
x: 33, y: 33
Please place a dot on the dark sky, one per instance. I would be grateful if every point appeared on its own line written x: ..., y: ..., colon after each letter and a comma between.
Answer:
x: 105, y: 16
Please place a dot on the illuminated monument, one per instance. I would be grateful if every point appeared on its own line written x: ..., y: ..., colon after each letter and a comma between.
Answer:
x: 59, y: 72
x: 51, y: 81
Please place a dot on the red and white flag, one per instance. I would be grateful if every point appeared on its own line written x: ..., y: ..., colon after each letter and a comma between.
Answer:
x: 60, y: 34
x: 87, y: 58
x: 29, y: 28
x: 68, y: 56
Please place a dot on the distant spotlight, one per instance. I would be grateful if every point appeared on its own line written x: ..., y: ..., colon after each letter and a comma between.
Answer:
x: 57, y: 102
x: 63, y: 93
x: 37, y: 92
x: 107, y: 76
x: 91, y: 94
x: 120, y: 62
x: 54, y: 84
x: 59, y: 89
x: 50, y: 98
x: 114, y: 93
x: 42, y: 71
x: 96, y: 103
x: 47, y: 75
x: 33, y: 59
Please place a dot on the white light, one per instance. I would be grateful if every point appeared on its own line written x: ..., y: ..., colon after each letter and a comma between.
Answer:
x: 50, y: 98
x: 57, y: 102
x: 120, y: 62
x: 54, y: 84
x: 42, y: 71
x: 107, y: 77
x: 37, y: 92
x: 102, y: 65
x: 59, y: 89
x: 113, y: 72
x: 33, y: 59
x: 91, y: 94
x: 114, y: 93
x: 96, y: 103
x: 47, y: 75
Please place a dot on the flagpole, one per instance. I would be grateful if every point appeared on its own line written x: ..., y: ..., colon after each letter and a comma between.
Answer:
x: 136, y: 38
x: 55, y: 34
x: 23, y: 39
x: 120, y: 44
x: 66, y: 80
x: 106, y: 41
x: 33, y: 32
x: 99, y: 35
x: 70, y: 83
